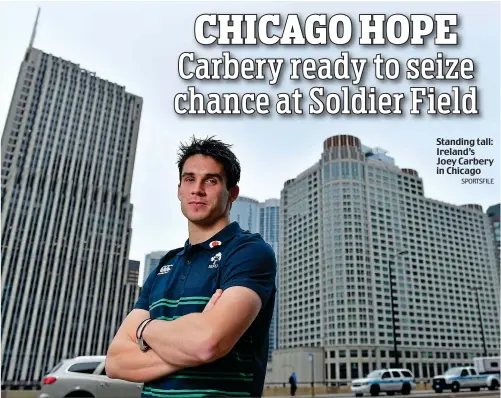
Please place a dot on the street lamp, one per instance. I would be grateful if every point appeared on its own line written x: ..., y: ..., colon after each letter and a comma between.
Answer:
x: 476, y: 289
x: 393, y: 321
x: 310, y: 359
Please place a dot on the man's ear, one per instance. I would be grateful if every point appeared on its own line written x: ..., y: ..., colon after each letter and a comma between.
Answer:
x: 179, y: 191
x: 234, y: 193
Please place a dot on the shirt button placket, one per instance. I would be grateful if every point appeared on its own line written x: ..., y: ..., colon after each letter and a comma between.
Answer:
x: 185, y: 274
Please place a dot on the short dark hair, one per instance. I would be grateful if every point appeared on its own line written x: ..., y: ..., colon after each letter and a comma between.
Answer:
x: 216, y: 149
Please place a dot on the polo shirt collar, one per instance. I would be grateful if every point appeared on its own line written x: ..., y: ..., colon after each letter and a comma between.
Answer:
x: 217, y: 240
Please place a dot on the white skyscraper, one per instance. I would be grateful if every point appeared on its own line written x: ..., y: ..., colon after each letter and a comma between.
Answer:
x: 68, y: 150
x: 245, y: 212
x: 343, y: 222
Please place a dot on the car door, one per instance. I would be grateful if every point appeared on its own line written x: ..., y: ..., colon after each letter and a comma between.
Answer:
x: 397, y: 380
x: 113, y: 388
x: 475, y: 380
x: 386, y: 381
x: 465, y: 379
x: 407, y: 376
x: 80, y: 376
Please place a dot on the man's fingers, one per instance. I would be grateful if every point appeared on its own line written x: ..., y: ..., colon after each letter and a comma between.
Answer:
x: 215, y: 296
x: 213, y: 299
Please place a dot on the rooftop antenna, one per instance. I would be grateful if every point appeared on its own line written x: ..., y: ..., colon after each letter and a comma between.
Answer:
x: 34, y: 32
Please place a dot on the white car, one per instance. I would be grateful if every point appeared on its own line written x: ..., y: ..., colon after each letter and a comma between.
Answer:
x: 458, y: 378
x: 85, y: 376
x: 389, y: 381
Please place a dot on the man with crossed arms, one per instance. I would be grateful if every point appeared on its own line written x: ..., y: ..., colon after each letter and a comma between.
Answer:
x: 200, y: 327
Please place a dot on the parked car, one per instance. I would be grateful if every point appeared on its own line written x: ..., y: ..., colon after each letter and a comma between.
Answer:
x: 85, y: 376
x: 484, y: 374
x: 389, y: 381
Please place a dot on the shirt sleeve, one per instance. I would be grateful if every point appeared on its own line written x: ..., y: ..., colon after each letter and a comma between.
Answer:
x: 252, y: 265
x: 143, y: 302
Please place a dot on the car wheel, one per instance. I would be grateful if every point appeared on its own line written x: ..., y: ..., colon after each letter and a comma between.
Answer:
x: 375, y: 390
x: 494, y: 385
x: 79, y: 394
x: 455, y: 387
x: 406, y: 389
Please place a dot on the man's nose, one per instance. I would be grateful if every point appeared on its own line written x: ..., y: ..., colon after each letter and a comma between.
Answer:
x: 198, y: 188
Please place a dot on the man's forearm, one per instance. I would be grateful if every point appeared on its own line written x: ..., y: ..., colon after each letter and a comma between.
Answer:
x: 184, y: 342
x: 127, y: 362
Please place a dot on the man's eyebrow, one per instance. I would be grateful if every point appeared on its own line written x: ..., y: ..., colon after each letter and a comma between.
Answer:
x: 216, y: 175
x: 208, y: 175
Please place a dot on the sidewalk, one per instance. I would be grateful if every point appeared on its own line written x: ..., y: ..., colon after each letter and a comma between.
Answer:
x: 341, y: 394
x: 345, y: 394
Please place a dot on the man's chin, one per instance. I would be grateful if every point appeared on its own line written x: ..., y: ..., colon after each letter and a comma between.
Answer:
x: 199, y: 219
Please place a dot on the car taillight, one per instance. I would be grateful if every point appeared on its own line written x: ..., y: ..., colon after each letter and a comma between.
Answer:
x: 49, y: 380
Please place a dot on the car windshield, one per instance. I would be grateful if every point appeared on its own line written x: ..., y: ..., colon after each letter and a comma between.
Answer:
x: 453, y: 372
x: 374, y: 374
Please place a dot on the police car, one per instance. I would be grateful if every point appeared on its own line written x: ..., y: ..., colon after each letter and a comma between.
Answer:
x: 389, y: 381
x: 484, y: 374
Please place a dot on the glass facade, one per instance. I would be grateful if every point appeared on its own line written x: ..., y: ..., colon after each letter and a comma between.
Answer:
x: 245, y: 211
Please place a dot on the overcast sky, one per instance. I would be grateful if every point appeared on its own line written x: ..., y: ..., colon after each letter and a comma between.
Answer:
x: 138, y: 44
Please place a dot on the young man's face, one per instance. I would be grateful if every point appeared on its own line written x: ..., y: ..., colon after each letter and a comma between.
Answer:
x: 202, y: 190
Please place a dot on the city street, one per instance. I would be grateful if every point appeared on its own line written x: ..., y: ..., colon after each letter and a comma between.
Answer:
x: 418, y: 394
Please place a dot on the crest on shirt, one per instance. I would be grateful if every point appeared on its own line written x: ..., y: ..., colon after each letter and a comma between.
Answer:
x: 165, y: 269
x: 215, y: 260
x: 215, y: 243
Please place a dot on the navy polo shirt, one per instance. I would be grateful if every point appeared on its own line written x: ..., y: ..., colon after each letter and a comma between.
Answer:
x: 184, y: 282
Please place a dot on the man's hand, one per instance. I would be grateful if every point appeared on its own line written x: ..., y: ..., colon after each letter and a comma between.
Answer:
x: 126, y: 361
x: 204, y: 337
x: 213, y: 300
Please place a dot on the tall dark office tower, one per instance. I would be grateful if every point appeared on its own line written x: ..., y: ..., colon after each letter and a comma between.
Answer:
x: 68, y: 150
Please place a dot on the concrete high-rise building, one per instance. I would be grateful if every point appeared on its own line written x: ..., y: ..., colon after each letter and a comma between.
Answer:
x: 262, y: 218
x: 245, y: 212
x: 343, y: 222
x: 269, y: 215
x: 68, y: 150
x: 132, y: 281
x: 133, y: 271
x: 268, y: 223
x: 493, y: 214
x: 150, y: 262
